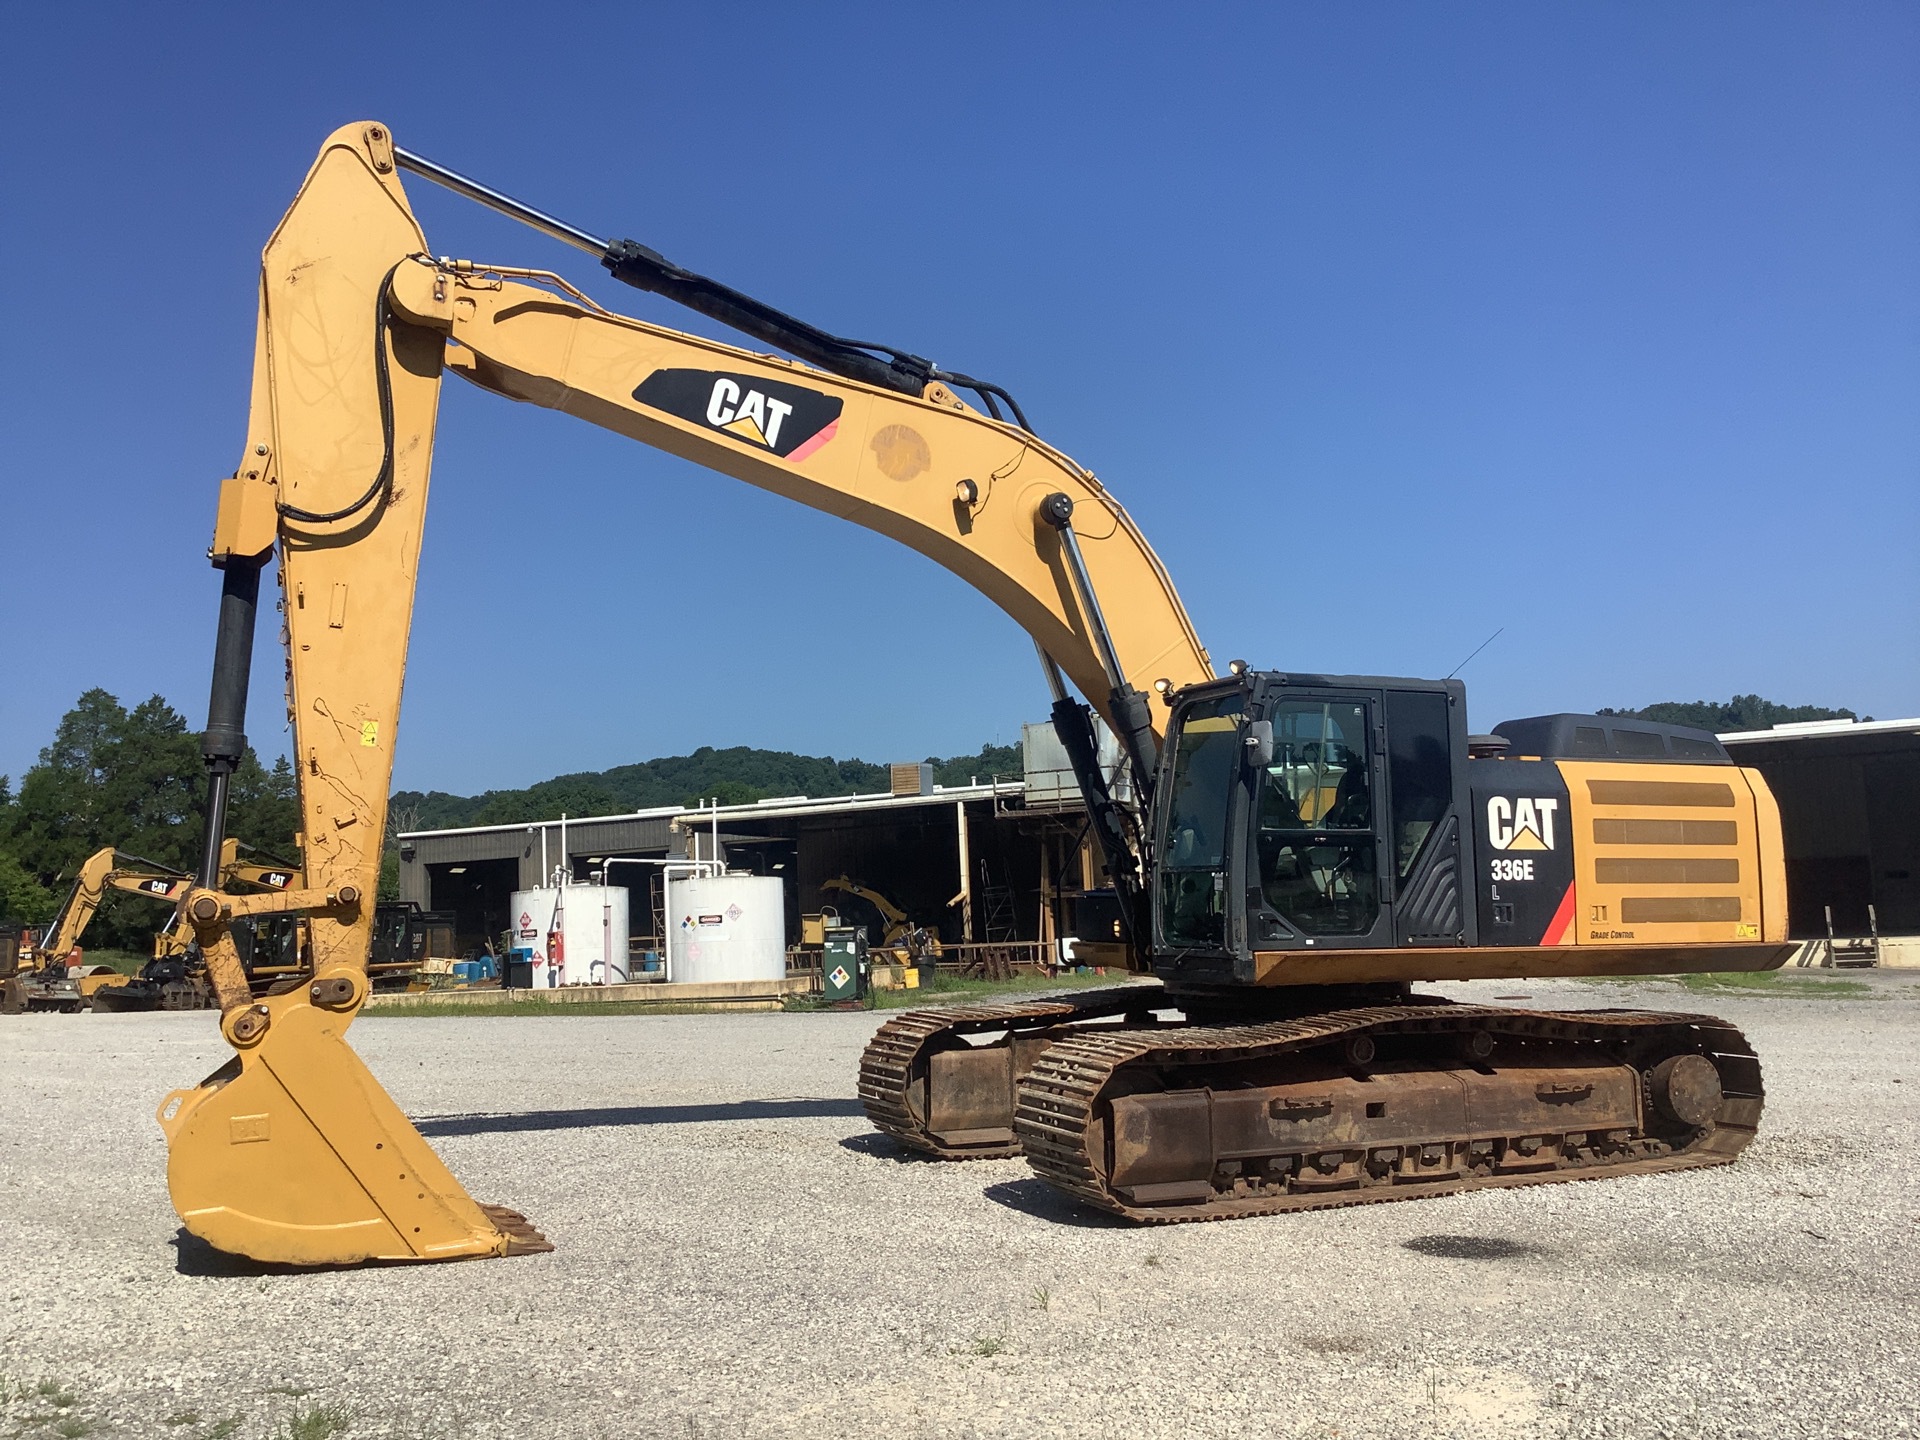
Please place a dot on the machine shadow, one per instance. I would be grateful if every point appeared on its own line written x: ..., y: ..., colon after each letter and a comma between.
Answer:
x: 1035, y: 1197
x: 876, y: 1146
x: 194, y: 1256
x: 1473, y: 1247
x: 497, y: 1124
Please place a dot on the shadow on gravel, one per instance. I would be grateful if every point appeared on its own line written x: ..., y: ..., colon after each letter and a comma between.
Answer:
x: 1037, y: 1198
x: 1471, y: 1247
x: 876, y: 1146
x: 634, y: 1115
x: 193, y: 1256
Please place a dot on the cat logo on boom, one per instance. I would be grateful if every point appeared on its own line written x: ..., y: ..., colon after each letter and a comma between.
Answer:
x: 789, y: 420
x: 1522, y: 824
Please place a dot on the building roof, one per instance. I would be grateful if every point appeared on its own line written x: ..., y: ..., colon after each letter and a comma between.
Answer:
x: 778, y: 807
x: 1824, y: 739
x: 1796, y: 728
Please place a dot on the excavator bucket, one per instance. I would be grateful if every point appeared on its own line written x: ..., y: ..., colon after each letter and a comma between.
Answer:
x: 292, y: 1152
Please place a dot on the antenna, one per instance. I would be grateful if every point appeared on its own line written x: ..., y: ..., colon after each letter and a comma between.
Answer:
x: 1476, y: 650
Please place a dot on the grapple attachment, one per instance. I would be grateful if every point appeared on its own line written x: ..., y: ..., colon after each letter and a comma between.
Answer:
x: 292, y: 1152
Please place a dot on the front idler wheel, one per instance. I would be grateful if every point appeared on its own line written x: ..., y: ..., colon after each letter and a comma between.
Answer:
x: 1686, y: 1090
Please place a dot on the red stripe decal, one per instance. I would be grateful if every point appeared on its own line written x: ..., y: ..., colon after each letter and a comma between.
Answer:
x: 814, y: 444
x: 1562, y: 920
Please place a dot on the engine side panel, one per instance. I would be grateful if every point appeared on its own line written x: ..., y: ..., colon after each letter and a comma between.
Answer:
x: 1665, y: 854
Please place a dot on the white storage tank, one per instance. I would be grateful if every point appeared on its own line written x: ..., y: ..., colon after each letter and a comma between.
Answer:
x: 727, y: 927
x: 590, y: 923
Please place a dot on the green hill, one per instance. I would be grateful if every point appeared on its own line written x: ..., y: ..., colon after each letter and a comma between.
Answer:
x: 736, y: 776
x: 1742, y: 712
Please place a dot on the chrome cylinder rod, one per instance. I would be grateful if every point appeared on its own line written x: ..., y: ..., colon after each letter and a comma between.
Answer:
x: 1090, y: 604
x: 505, y: 204
x: 1055, y: 681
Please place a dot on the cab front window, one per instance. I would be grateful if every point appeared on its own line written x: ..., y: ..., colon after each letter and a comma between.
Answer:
x: 1193, y: 842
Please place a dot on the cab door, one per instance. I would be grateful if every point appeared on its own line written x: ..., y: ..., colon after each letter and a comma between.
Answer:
x: 1428, y: 842
x: 1317, y: 873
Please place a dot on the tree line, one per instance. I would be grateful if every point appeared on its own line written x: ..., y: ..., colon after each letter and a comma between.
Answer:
x: 736, y: 776
x: 1742, y: 712
x: 132, y: 779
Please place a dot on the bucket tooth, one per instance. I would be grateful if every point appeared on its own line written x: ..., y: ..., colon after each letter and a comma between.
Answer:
x: 292, y: 1153
x: 522, y: 1238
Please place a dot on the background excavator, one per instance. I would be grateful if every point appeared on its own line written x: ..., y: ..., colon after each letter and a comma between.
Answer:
x: 274, y: 952
x: 897, y: 931
x: 175, y: 978
x: 1301, y: 847
x: 45, y: 980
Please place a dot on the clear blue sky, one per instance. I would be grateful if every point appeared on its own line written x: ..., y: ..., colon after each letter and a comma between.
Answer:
x: 1391, y: 324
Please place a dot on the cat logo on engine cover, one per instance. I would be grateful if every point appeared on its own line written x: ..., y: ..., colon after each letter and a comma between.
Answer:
x: 789, y: 420
x: 1522, y: 824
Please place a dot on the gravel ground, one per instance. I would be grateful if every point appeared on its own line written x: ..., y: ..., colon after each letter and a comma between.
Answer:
x: 740, y: 1256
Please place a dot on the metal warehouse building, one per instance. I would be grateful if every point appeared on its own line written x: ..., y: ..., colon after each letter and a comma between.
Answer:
x: 999, y: 862
x: 1849, y: 794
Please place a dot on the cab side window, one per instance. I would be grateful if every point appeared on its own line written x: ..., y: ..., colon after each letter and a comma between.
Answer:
x: 1194, y: 844
x: 1419, y: 771
x: 1316, y: 815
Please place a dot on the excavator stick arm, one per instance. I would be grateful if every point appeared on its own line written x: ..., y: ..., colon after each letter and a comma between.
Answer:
x: 292, y: 1152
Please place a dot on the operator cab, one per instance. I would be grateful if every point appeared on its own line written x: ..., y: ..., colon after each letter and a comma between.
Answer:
x: 1333, y: 812
x: 1310, y: 811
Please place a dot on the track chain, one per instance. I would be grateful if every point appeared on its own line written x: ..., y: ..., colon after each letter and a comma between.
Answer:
x: 888, y: 1064
x: 1056, y: 1100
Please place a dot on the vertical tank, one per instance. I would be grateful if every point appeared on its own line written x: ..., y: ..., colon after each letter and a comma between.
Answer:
x: 570, y: 932
x: 728, y: 927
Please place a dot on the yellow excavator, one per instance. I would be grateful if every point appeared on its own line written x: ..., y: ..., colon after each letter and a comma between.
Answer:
x: 1295, y: 848
x: 44, y: 979
x: 898, y: 933
x: 175, y: 979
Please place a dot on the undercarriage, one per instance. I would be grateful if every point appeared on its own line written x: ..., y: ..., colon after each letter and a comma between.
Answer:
x: 1164, y: 1119
x: 189, y: 992
x: 34, y: 991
